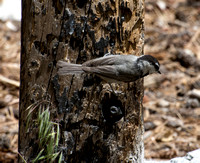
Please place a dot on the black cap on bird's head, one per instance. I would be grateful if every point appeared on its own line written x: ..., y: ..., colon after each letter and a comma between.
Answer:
x: 153, y: 61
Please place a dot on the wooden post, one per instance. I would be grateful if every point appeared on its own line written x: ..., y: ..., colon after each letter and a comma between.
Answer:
x: 96, y: 125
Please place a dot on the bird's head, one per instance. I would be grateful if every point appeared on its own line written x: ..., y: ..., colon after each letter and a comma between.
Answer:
x: 150, y: 64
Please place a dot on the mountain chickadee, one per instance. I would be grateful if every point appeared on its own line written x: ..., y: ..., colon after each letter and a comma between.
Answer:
x: 114, y: 68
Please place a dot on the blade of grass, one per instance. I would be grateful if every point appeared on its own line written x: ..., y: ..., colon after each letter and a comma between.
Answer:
x: 22, y: 157
x: 57, y: 135
x: 60, y: 158
x: 38, y: 156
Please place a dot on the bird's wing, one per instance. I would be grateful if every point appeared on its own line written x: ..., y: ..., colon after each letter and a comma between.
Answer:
x: 101, y: 70
x: 107, y: 60
x: 113, y: 67
x: 109, y: 73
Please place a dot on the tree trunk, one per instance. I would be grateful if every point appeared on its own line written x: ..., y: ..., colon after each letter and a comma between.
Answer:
x: 96, y: 125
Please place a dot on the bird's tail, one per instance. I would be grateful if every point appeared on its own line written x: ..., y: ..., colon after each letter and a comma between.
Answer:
x: 65, y: 68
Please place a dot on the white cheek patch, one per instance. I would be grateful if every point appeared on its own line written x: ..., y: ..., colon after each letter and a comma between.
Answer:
x: 157, y: 65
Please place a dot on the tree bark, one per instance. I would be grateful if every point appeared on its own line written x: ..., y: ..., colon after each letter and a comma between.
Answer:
x: 96, y: 125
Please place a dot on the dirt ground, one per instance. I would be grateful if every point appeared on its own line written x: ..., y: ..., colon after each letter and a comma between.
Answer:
x: 171, y: 101
x: 9, y: 89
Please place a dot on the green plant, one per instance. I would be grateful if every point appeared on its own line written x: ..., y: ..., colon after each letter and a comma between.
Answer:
x: 48, y: 132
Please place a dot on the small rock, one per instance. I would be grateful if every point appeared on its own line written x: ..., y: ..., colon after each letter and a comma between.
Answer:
x: 162, y: 5
x: 185, y: 57
x: 11, y: 26
x: 149, y: 126
x: 8, y: 98
x: 163, y: 103
x: 195, y: 93
x: 165, y: 110
x: 173, y: 122
x: 192, y: 103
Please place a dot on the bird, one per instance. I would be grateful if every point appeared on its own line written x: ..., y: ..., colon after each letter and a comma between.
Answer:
x: 116, y: 68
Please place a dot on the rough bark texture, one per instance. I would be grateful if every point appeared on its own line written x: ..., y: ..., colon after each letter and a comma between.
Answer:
x: 96, y: 125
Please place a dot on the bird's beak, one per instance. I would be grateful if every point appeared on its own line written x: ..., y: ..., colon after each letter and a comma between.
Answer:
x: 159, y: 72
